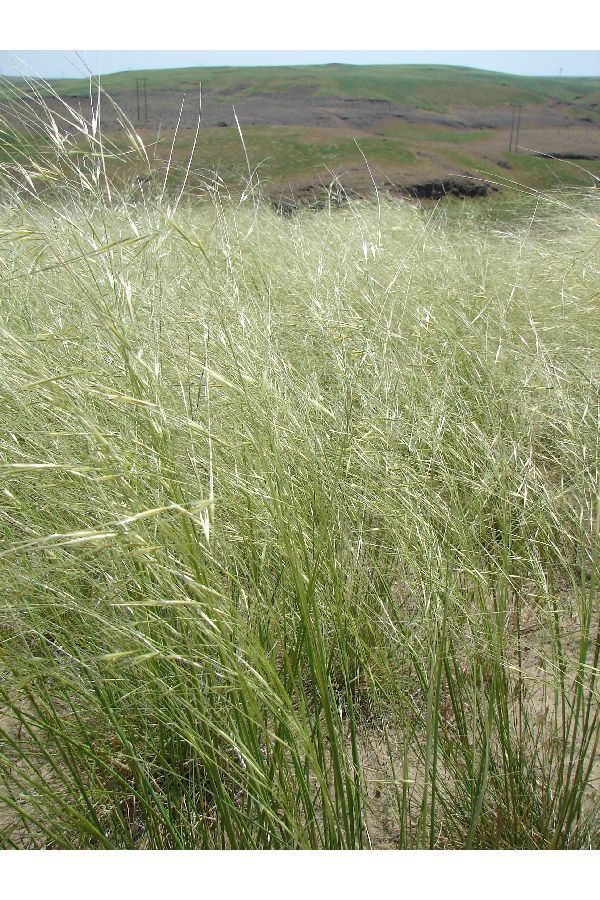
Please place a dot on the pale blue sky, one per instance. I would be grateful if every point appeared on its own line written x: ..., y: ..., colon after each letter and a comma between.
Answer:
x: 58, y: 63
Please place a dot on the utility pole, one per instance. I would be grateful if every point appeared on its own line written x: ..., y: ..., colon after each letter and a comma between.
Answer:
x: 512, y: 129
x: 516, y: 120
x: 142, y: 98
x: 518, y: 126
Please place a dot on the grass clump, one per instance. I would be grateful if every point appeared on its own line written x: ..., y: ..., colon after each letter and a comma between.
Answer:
x: 299, y: 521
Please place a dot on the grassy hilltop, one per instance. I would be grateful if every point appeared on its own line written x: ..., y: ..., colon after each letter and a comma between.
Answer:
x: 435, y: 87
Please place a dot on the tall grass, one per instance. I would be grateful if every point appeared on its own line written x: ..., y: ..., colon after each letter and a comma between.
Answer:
x: 299, y: 518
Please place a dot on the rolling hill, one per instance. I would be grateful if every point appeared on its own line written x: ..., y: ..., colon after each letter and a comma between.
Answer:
x: 303, y: 126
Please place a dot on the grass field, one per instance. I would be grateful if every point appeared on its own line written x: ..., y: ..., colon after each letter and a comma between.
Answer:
x: 300, y: 518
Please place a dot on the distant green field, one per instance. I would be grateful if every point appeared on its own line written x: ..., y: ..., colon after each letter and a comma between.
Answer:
x: 292, y: 154
x: 434, y: 87
x: 283, y: 152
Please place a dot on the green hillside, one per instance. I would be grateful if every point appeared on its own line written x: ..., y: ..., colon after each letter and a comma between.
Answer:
x: 436, y: 87
x: 301, y: 124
